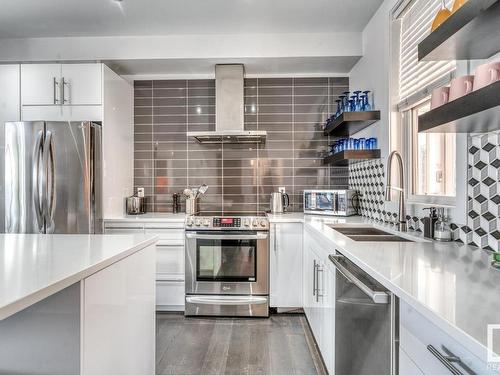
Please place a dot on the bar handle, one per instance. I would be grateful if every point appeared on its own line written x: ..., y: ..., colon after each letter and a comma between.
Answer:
x: 63, y: 84
x: 314, y: 277
x: 376, y: 296
x: 227, y: 300
x: 55, y: 84
x: 36, y: 180
x: 447, y: 360
x: 258, y: 236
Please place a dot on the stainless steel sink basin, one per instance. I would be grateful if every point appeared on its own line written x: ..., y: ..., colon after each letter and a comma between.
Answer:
x: 368, y: 234
x: 384, y: 238
x: 363, y: 231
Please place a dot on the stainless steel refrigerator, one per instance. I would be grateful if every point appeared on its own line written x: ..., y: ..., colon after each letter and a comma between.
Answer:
x: 52, y: 177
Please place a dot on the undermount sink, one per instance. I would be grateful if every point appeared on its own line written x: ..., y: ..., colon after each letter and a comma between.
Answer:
x: 386, y: 238
x: 362, y: 231
x: 368, y: 234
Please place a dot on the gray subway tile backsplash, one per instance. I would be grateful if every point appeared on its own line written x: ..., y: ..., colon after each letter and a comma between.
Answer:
x: 240, y: 177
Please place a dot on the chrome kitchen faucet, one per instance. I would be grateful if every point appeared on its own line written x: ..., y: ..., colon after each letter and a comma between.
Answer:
x: 401, y: 225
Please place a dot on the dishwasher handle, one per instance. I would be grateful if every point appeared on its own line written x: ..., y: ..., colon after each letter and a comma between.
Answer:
x: 377, y: 297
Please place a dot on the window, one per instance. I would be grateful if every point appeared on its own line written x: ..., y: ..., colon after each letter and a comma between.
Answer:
x: 430, y: 157
x: 433, y: 159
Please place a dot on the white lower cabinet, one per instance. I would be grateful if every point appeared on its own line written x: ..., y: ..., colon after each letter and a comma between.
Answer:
x: 169, y: 259
x: 428, y: 347
x: 319, y: 297
x: 285, y: 265
x: 406, y: 365
x: 118, y: 330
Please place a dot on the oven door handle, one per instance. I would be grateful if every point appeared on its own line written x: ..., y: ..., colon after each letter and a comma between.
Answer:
x: 205, y: 236
x: 226, y: 300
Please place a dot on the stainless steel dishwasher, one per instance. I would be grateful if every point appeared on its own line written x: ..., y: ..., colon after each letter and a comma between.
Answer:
x: 366, y: 322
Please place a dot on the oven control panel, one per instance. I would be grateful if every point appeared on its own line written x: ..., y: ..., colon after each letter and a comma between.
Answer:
x: 227, y: 223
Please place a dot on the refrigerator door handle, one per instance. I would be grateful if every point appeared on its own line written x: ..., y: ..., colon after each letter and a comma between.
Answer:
x: 45, y: 183
x: 52, y: 182
x: 36, y: 181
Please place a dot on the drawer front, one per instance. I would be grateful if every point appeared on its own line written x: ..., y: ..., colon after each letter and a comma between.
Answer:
x: 417, y: 333
x: 169, y: 296
x: 169, y: 225
x: 113, y: 230
x: 167, y: 234
x: 169, y: 263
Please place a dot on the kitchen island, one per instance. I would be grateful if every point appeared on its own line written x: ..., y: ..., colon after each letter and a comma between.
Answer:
x: 77, y: 304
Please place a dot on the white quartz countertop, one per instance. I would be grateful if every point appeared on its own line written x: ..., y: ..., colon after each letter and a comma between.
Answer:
x: 33, y: 267
x: 452, y: 284
x: 150, y: 217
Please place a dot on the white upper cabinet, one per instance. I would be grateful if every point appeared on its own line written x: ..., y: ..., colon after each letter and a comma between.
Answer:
x: 81, y: 84
x: 286, y: 265
x: 40, y: 84
x: 61, y: 84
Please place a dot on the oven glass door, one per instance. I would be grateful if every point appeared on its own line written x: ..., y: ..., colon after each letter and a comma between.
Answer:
x: 229, y: 260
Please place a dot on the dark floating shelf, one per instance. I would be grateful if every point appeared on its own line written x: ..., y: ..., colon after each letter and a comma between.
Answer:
x: 477, y: 112
x: 345, y: 157
x: 349, y: 123
x: 470, y: 33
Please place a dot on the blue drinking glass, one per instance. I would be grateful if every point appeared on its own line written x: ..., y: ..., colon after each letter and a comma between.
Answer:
x: 374, y: 143
x: 356, y: 144
x: 362, y: 101
x: 368, y: 106
x: 342, y: 107
x: 339, y: 108
x: 362, y: 143
x: 352, y: 106
x: 346, y: 100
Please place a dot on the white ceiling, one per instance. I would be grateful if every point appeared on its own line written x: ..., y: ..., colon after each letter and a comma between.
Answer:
x: 60, y: 18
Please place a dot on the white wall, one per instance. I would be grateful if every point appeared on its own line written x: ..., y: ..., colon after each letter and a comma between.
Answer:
x: 375, y: 72
x: 117, y: 143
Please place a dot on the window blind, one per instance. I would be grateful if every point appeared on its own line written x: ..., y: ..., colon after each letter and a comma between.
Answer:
x: 417, y: 78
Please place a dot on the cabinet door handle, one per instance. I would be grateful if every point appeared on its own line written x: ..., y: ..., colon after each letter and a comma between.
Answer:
x: 63, y: 84
x: 275, y: 240
x: 447, y: 360
x: 318, y: 270
x: 314, y: 277
x: 54, y: 88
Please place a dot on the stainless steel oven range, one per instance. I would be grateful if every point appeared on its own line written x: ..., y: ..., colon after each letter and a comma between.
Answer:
x: 227, y: 266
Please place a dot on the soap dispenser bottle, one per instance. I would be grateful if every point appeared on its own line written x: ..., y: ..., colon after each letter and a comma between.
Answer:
x: 429, y: 222
x: 442, y: 230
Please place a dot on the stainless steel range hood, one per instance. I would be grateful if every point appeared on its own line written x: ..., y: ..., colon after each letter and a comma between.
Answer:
x: 229, y: 110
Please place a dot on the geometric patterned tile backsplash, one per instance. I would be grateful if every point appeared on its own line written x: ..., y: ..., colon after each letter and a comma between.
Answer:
x: 483, y: 193
x: 483, y: 201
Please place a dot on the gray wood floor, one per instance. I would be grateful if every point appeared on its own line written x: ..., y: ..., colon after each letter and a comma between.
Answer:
x: 279, y: 345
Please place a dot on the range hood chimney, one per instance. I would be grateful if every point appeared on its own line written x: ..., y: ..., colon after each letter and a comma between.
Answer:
x: 229, y: 110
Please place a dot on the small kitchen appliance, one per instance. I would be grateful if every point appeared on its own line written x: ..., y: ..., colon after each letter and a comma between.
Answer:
x: 330, y: 202
x: 135, y: 205
x: 279, y: 202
